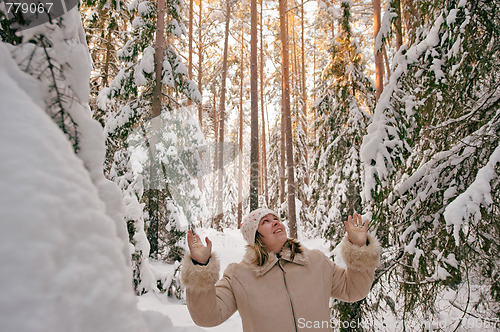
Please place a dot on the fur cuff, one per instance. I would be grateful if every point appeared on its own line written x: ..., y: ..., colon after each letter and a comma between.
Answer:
x: 361, y: 258
x: 199, y: 276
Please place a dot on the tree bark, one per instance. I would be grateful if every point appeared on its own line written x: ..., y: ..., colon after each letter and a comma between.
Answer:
x: 304, y: 93
x: 264, y: 149
x: 282, y: 170
x: 200, y: 72
x: 286, y: 116
x: 240, y: 155
x: 254, y: 107
x: 160, y: 34
x: 222, y: 109
x: 200, y: 65
x: 153, y: 193
x: 190, y: 45
x: 109, y: 46
x: 396, y: 4
x: 379, y: 61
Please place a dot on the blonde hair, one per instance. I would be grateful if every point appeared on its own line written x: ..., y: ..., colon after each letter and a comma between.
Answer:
x: 262, y: 255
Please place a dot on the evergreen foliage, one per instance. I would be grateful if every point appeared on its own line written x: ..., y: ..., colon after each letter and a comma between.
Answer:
x: 159, y: 157
x: 434, y: 136
x: 342, y: 115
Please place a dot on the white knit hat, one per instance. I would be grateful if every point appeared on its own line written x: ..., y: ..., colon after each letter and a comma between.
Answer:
x: 251, y: 223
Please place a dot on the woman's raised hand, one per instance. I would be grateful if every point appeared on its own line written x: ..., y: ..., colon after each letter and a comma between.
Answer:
x: 357, y: 229
x: 199, y: 252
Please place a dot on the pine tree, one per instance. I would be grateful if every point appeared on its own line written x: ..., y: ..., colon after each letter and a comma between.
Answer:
x: 342, y: 113
x: 342, y: 116
x: 171, y: 141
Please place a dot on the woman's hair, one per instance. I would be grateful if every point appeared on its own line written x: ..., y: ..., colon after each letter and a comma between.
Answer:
x: 262, y: 255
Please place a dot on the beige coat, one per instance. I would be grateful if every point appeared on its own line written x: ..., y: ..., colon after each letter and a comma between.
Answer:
x: 282, y: 295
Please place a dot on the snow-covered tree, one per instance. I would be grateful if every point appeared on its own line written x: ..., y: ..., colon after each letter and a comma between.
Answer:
x: 164, y: 150
x: 342, y: 114
x: 431, y: 161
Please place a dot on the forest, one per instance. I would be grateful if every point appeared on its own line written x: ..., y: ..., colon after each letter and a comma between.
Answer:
x: 127, y: 122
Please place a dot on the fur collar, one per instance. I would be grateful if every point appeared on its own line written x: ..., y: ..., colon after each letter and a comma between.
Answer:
x: 285, y: 253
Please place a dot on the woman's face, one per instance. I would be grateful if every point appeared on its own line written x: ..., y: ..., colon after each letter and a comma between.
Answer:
x: 273, y: 233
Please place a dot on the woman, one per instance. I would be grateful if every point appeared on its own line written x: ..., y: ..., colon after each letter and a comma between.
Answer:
x: 279, y: 285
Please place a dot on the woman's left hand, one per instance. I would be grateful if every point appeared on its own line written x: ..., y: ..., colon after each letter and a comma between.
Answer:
x: 357, y: 230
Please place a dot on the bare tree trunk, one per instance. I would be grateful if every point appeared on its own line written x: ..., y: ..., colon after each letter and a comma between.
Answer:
x: 412, y: 18
x: 386, y: 62
x: 294, y: 68
x: 379, y: 61
x: 216, y: 152
x: 264, y: 149
x: 200, y: 65
x: 109, y: 46
x: 153, y: 192
x: 304, y: 94
x: 286, y: 116
x: 282, y: 170
x: 222, y: 109
x: 200, y: 72
x: 254, y: 106
x: 190, y: 45
x: 240, y: 156
x: 160, y: 28
x: 396, y: 4
x: 314, y: 87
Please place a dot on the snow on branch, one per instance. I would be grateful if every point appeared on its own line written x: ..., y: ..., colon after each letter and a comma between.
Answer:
x: 467, y: 205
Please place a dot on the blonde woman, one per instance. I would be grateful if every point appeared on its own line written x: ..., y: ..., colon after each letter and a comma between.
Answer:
x: 279, y: 285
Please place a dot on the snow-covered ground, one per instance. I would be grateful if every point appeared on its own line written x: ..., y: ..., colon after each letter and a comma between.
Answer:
x: 229, y: 247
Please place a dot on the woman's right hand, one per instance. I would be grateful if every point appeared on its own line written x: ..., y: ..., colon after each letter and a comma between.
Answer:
x: 199, y: 252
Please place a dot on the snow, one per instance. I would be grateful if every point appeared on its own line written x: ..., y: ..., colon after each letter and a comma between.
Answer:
x: 64, y: 247
x: 145, y: 65
x: 385, y: 26
x: 467, y: 205
x: 452, y: 16
x: 62, y: 271
x: 176, y: 28
x: 229, y: 246
x: 168, y: 78
x: 138, y: 22
x: 144, y: 8
x: 147, y: 62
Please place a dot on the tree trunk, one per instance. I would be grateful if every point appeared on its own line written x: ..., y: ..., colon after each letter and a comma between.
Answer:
x: 216, y: 151
x: 240, y: 155
x: 153, y: 193
x: 396, y: 4
x: 286, y: 116
x: 200, y: 71
x: 304, y: 94
x: 294, y: 68
x: 160, y: 34
x: 264, y: 149
x: 222, y: 108
x: 379, y: 61
x: 200, y: 65
x: 190, y: 45
x: 109, y: 46
x: 386, y: 62
x: 282, y: 170
x: 254, y: 108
